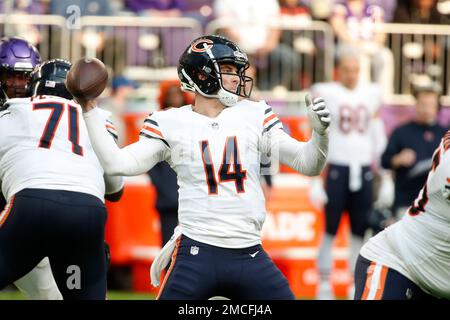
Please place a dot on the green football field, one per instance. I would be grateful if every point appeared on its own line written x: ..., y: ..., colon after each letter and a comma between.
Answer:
x: 112, y: 295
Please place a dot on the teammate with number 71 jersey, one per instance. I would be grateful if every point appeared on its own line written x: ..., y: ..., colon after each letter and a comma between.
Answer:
x: 411, y: 258
x: 32, y: 126
x: 55, y: 188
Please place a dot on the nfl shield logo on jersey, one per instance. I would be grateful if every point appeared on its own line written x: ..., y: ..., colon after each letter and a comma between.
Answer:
x: 194, y: 250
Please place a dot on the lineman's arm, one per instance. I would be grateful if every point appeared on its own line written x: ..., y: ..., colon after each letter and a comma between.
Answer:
x: 113, y: 187
x: 308, y: 158
x: 131, y: 160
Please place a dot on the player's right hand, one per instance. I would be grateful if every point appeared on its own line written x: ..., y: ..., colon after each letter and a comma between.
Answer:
x: 318, y: 114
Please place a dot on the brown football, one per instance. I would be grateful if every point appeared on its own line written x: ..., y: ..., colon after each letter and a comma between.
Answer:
x: 87, y: 78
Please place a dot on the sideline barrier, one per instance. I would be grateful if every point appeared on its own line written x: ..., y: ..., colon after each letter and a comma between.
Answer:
x: 147, y: 50
x: 133, y: 230
x: 49, y: 33
x: 292, y: 233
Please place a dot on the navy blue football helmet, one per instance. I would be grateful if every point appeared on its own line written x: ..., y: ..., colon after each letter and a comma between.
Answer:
x: 203, y: 57
x: 49, y: 79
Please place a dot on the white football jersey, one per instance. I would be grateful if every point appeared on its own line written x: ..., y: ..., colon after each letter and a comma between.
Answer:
x: 217, y: 161
x: 44, y: 144
x: 351, y: 132
x: 418, y: 246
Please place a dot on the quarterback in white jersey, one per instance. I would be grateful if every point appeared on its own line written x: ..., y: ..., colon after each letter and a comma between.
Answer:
x: 215, y: 146
x: 46, y: 155
x: 357, y: 139
x: 411, y: 258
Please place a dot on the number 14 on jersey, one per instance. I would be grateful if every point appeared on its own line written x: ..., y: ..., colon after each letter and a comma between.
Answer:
x: 230, y: 168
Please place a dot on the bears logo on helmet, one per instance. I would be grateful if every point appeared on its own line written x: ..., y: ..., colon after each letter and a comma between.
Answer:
x: 202, y: 45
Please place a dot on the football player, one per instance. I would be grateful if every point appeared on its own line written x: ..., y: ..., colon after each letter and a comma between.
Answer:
x: 17, y: 60
x: 55, y: 190
x: 215, y: 146
x: 410, y: 259
x: 357, y: 140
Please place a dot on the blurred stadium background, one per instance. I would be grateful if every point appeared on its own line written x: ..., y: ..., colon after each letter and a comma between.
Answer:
x: 141, y: 49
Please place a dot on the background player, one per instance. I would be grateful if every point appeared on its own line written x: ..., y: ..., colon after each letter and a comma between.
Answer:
x: 410, y: 259
x: 54, y: 186
x: 215, y: 147
x: 357, y: 139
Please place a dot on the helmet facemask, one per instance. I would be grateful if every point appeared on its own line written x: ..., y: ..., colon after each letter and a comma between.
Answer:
x: 229, y: 97
x: 14, y: 83
x: 244, y: 88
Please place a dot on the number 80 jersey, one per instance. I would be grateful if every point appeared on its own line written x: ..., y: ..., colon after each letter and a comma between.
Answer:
x: 352, y: 112
x: 44, y: 144
x: 217, y: 161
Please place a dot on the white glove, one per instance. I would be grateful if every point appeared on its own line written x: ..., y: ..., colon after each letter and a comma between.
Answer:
x: 386, y: 192
x: 318, y: 114
x: 317, y: 194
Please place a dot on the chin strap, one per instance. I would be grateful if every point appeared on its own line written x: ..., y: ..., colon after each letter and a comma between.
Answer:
x: 227, y: 98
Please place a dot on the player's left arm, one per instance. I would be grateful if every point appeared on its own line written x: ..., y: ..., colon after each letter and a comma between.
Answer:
x: 308, y: 158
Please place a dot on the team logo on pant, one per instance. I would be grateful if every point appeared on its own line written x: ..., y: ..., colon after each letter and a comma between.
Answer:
x: 194, y: 250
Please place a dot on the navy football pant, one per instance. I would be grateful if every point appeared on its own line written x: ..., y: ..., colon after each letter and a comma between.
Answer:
x: 67, y: 227
x: 378, y: 282
x: 200, y: 271
x: 358, y: 204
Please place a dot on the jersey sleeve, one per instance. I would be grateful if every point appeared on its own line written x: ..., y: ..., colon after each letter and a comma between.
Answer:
x: 111, y: 129
x: 109, y: 124
x: 152, y: 129
x: 270, y: 120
